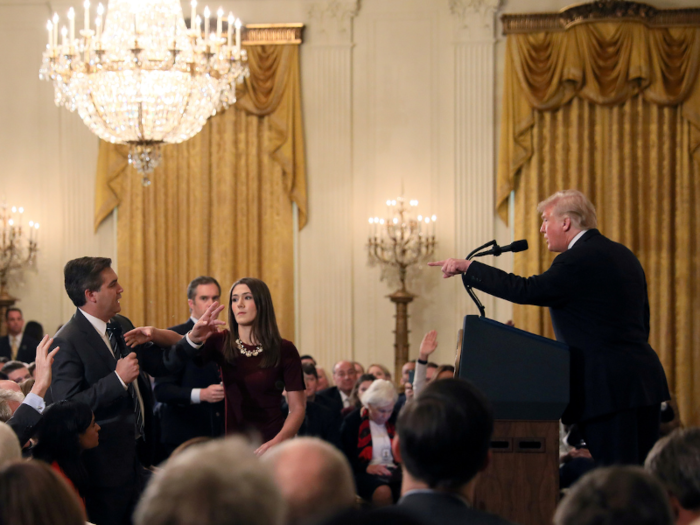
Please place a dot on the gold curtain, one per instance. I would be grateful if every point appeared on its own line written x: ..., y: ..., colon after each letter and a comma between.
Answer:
x: 220, y: 203
x: 613, y: 109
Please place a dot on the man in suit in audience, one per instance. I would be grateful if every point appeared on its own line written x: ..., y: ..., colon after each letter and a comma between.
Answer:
x: 442, y: 442
x: 15, y: 345
x: 319, y: 421
x: 337, y: 397
x: 193, y: 399
x: 675, y: 462
x: 95, y: 367
x: 596, y: 292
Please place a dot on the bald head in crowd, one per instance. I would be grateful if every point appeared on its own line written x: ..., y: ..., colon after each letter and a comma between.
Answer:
x: 675, y: 462
x: 315, y: 479
x: 218, y: 483
x: 9, y: 445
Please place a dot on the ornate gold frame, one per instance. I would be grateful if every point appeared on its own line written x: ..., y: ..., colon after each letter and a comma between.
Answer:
x: 266, y: 34
x: 600, y: 11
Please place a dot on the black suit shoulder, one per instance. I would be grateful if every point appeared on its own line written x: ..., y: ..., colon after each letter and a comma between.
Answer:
x: 445, y: 509
x: 183, y: 328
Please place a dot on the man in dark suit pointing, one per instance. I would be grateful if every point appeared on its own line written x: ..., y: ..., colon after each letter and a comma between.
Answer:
x: 597, y: 296
x: 95, y: 367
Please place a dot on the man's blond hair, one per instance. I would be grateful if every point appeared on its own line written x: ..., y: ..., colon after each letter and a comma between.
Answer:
x: 574, y: 205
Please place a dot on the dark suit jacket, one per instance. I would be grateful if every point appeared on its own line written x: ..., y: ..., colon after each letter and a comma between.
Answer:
x: 597, y: 296
x: 180, y: 420
x: 26, y: 351
x: 330, y: 398
x: 319, y: 421
x: 445, y: 509
x: 24, y: 422
x: 83, y: 370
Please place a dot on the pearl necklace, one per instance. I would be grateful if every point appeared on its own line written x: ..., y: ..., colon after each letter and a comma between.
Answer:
x: 246, y: 352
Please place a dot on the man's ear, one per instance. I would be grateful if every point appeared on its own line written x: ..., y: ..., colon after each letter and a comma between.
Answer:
x: 90, y: 296
x: 487, y: 461
x: 190, y: 303
x: 396, y: 449
x: 566, y: 224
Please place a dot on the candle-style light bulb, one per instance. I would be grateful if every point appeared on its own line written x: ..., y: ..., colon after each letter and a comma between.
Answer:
x: 193, y: 16
x: 64, y: 35
x: 207, y: 13
x: 433, y: 218
x: 71, y: 18
x: 98, y: 20
x: 49, y: 28
x: 86, y: 21
x: 238, y: 35
x: 219, y: 23
x: 231, y: 20
x: 55, y: 30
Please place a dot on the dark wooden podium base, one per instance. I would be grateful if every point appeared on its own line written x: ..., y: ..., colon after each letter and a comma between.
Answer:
x: 522, y: 482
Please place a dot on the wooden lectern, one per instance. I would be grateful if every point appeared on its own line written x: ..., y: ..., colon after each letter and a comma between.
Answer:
x: 526, y: 378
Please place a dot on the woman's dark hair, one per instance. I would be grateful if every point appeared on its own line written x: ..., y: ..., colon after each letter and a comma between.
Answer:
x: 58, y: 433
x: 33, y: 494
x: 264, y: 329
x: 34, y: 330
x: 354, y: 398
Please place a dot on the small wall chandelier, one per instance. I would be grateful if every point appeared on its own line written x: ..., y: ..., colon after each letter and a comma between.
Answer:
x: 145, y: 79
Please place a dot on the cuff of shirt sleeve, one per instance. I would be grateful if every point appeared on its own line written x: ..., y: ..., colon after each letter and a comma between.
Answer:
x: 194, y: 396
x: 193, y: 345
x: 35, y: 401
x: 122, y: 382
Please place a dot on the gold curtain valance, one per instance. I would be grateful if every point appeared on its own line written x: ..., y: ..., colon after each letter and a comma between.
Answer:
x: 272, y: 90
x: 606, y: 63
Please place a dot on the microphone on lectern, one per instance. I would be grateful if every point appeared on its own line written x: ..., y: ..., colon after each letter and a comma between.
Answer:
x: 517, y: 246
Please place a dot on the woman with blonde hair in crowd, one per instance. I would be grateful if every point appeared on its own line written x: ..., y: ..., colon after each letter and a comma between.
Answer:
x: 366, y: 436
x: 379, y: 371
x: 361, y: 385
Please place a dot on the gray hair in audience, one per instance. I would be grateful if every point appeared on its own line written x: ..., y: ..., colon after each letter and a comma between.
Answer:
x: 380, y: 393
x: 620, y: 495
x: 6, y: 396
x: 675, y: 461
x: 574, y: 205
x: 10, y: 449
x: 315, y: 479
x: 217, y: 483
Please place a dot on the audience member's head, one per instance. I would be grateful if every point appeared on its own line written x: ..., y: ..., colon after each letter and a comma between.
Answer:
x: 26, y: 385
x: 308, y: 359
x: 444, y: 372
x: 14, y: 320
x: 216, y: 483
x: 358, y: 368
x: 615, y: 495
x: 406, y: 371
x: 361, y: 385
x: 444, y: 435
x: 3, y: 360
x: 66, y: 429
x: 10, y: 449
x: 379, y: 400
x: 379, y: 371
x: 8, y: 384
x: 201, y: 293
x: 33, y: 494
x: 344, y: 375
x: 10, y: 400
x: 323, y: 382
x: 310, y: 380
x: 675, y: 462
x: 430, y: 370
x: 315, y: 479
x: 16, y: 371
x: 34, y: 330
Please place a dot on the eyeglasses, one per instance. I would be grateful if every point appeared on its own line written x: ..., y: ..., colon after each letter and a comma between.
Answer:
x: 346, y: 374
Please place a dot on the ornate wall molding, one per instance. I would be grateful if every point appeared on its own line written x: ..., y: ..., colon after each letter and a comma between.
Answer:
x: 330, y: 21
x: 266, y: 34
x: 602, y: 10
x: 475, y: 19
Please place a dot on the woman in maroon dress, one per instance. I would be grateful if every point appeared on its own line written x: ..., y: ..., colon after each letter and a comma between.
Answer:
x: 256, y: 363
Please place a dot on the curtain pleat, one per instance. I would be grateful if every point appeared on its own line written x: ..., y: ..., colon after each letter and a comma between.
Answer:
x: 220, y: 203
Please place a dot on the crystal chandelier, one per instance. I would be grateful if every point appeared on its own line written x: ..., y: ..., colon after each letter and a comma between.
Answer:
x: 144, y: 80
x: 18, y: 246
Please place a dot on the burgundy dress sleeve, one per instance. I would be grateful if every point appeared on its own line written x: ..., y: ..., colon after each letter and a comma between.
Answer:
x: 291, y: 367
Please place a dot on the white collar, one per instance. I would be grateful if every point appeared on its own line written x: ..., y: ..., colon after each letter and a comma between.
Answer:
x: 343, y: 395
x: 578, y: 236
x: 99, y: 324
x: 193, y: 319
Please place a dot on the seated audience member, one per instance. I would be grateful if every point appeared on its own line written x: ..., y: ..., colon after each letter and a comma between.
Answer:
x: 319, y: 420
x: 675, y: 462
x: 217, y: 483
x: 358, y: 368
x: 65, y: 430
x: 366, y: 435
x: 444, y: 372
x: 16, y: 371
x: 615, y: 495
x: 26, y: 386
x: 361, y: 385
x: 379, y: 371
x: 33, y: 494
x: 442, y: 441
x: 323, y: 382
x: 17, y: 345
x: 31, y: 367
x: 9, y: 445
x: 306, y: 358
x: 10, y: 401
x: 315, y: 479
x: 3, y: 360
x: 425, y: 370
x: 34, y: 330
x: 338, y: 397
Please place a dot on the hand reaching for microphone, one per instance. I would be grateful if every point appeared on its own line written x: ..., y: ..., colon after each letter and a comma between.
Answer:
x: 128, y: 368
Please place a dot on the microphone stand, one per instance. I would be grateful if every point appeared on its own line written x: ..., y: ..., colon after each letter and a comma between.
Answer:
x: 478, y: 252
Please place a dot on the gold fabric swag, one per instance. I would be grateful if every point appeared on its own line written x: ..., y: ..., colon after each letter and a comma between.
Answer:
x: 220, y: 204
x: 613, y: 109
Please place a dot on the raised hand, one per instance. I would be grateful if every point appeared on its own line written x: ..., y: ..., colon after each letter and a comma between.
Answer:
x: 128, y: 368
x: 452, y: 267
x: 139, y: 336
x: 43, y: 361
x: 428, y: 345
x: 208, y: 324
